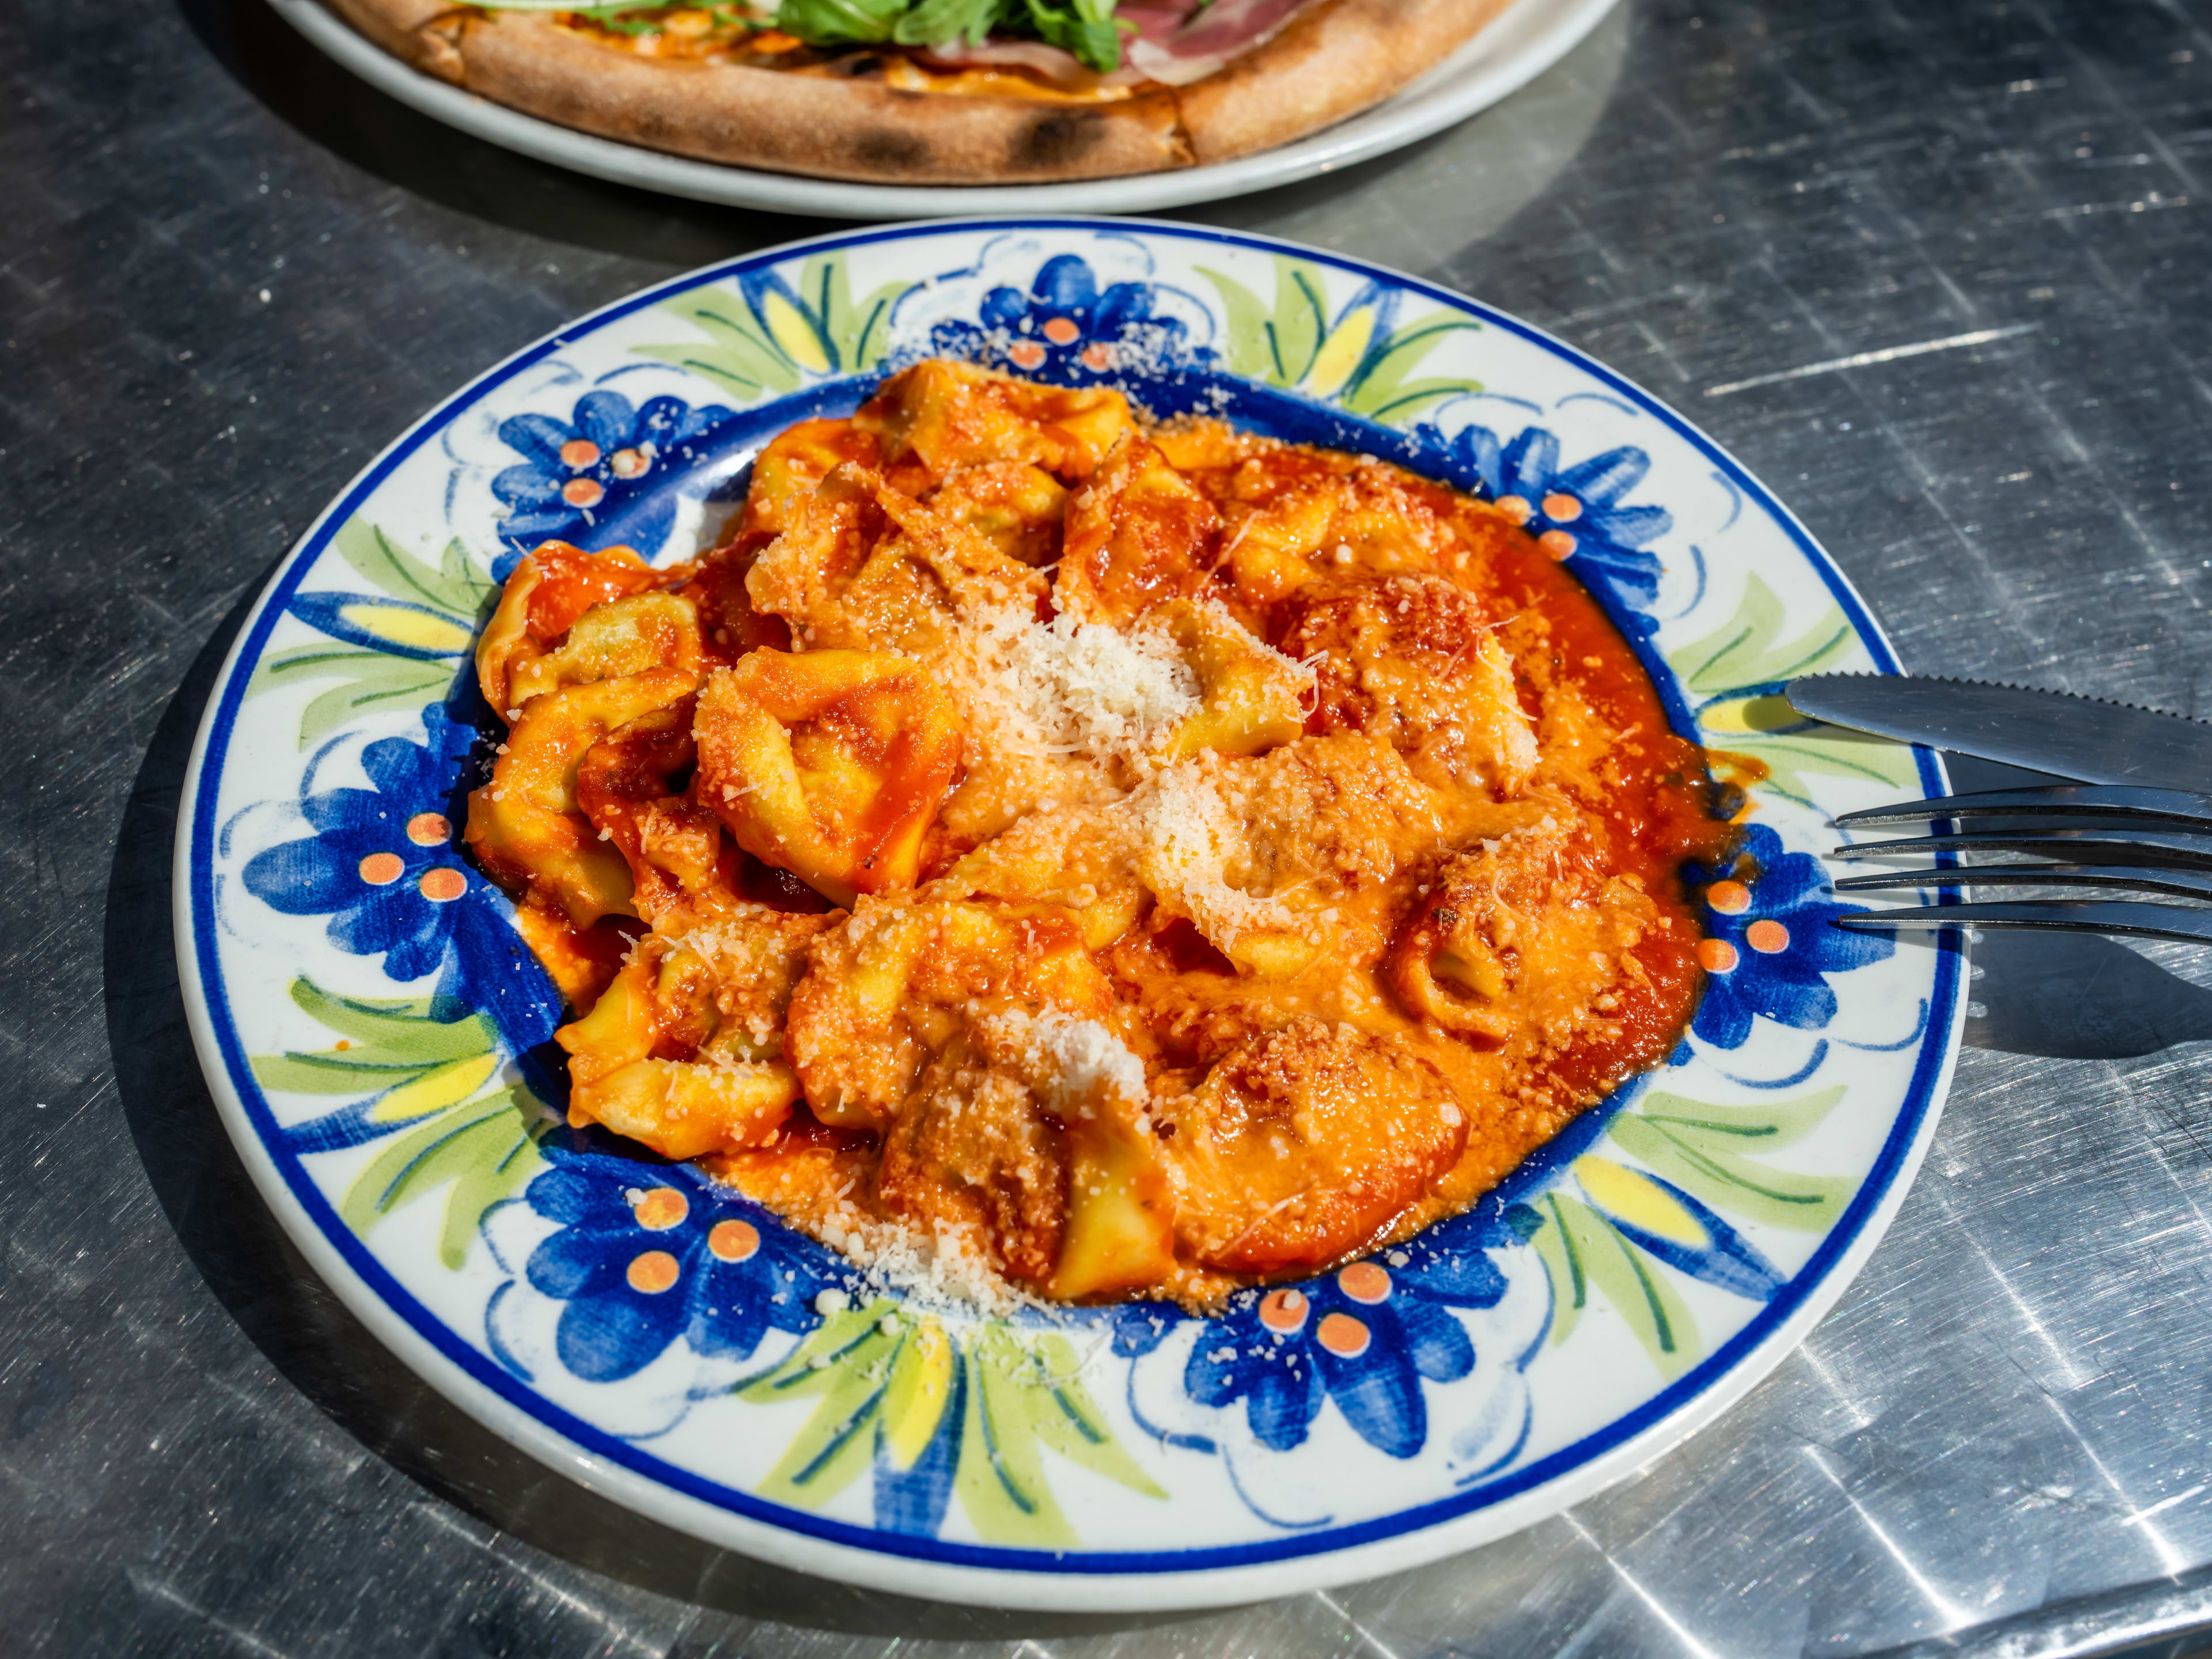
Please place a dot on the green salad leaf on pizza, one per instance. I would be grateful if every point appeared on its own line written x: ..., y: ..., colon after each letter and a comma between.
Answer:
x: 1084, y: 27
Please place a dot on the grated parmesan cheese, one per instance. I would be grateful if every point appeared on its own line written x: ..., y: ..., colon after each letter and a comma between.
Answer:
x: 1078, y: 1060
x: 945, y: 1269
x: 1069, y: 687
x: 1188, y: 837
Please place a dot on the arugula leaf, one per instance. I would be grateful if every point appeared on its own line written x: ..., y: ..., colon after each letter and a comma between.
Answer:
x: 937, y: 23
x: 840, y: 23
x: 1086, y: 28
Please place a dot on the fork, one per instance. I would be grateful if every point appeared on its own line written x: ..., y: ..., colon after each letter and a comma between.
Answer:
x: 2146, y: 841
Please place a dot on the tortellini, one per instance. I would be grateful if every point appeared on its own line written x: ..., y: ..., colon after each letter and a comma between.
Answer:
x: 888, y: 991
x: 1304, y: 1141
x: 1529, y: 930
x: 525, y: 825
x: 1141, y: 533
x: 1139, y: 857
x: 548, y: 594
x: 945, y: 416
x: 829, y: 764
x: 1251, y: 699
x: 668, y: 1057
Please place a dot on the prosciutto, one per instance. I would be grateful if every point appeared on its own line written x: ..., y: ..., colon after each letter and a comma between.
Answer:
x: 1176, y: 46
x: 1046, y: 60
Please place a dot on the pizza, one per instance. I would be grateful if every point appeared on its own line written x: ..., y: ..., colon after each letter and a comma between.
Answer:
x: 934, y: 91
x: 1077, y: 857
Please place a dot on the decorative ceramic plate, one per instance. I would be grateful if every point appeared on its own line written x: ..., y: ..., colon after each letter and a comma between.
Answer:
x: 1523, y: 42
x: 376, y: 1033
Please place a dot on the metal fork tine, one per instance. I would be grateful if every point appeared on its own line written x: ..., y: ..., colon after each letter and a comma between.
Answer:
x: 2174, y: 806
x: 2063, y: 916
x: 2177, y: 883
x: 2138, y: 847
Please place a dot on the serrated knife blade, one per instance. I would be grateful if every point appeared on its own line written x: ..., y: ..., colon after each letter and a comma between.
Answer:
x: 2074, y: 737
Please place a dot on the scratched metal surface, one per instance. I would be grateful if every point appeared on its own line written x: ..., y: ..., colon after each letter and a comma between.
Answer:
x: 1941, y: 271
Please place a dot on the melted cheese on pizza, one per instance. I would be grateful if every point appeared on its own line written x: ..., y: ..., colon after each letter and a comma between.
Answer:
x: 1140, y: 859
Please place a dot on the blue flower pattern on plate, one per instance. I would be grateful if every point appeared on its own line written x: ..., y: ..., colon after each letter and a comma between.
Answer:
x: 382, y: 865
x: 647, y: 1253
x: 590, y: 479
x: 1772, y: 942
x: 1064, y: 329
x: 1575, y: 512
x: 1366, y: 1337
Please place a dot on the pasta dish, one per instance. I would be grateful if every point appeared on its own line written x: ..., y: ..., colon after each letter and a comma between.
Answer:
x: 1099, y: 857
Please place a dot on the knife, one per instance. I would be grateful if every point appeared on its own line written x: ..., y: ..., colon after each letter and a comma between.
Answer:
x: 2082, y: 737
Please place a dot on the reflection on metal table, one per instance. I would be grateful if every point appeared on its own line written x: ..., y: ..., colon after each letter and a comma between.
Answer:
x: 1938, y: 273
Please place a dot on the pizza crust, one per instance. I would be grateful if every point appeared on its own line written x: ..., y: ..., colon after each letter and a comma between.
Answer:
x: 405, y: 28
x: 1332, y: 59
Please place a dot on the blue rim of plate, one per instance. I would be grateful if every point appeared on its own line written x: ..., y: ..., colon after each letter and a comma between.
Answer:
x: 195, y: 929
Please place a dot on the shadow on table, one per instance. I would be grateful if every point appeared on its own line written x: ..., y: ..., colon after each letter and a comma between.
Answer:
x: 2074, y: 996
x: 381, y: 135
x: 2070, y: 996
x: 308, y: 1335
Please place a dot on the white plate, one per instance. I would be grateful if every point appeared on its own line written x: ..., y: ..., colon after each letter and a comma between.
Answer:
x: 1524, y: 41
x: 373, y: 1031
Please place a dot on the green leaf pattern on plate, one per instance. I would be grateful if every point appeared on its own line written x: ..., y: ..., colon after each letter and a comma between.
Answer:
x: 1739, y: 669
x: 435, y: 1084
x: 399, y: 652
x: 1714, y: 1153
x: 1709, y: 1152
x: 1585, y: 1254
x: 1352, y: 357
x: 890, y: 1385
x: 766, y: 337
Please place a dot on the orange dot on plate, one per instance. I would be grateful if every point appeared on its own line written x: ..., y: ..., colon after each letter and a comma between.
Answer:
x: 1060, y: 331
x: 582, y: 492
x: 1513, y: 508
x: 1342, y: 1335
x: 653, y: 1272
x: 1766, y: 936
x: 733, y: 1240
x: 1363, y: 1281
x: 661, y: 1208
x: 580, y: 453
x: 1561, y: 509
x: 1556, y: 542
x: 429, y: 828
x: 1730, y: 898
x: 628, y: 463
x: 381, y: 869
x: 1283, y: 1311
x: 1716, y: 956
x: 1025, y: 354
x: 443, y: 884
x: 1098, y: 355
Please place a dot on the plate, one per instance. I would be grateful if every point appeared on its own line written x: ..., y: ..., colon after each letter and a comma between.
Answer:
x: 375, y: 1033
x: 1524, y: 41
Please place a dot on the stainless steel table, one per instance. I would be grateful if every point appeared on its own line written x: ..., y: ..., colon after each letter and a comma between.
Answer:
x: 1940, y: 270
